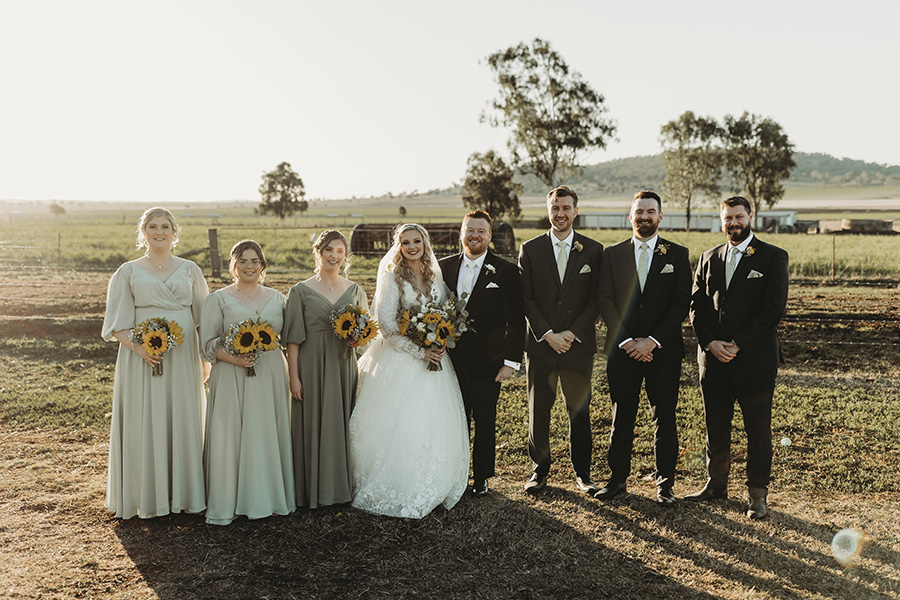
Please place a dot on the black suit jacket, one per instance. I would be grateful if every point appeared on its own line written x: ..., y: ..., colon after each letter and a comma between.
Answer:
x: 748, y: 312
x: 659, y: 311
x: 495, y: 307
x: 551, y: 305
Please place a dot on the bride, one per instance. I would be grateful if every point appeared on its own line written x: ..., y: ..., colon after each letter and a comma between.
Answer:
x: 409, y: 445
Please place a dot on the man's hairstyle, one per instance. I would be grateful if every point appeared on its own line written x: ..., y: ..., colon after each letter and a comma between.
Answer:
x: 648, y: 194
x: 561, y: 192
x: 736, y: 201
x: 478, y: 214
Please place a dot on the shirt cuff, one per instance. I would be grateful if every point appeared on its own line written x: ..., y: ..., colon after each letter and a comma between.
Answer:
x: 512, y: 365
x: 655, y: 341
x: 625, y: 342
x: 541, y: 339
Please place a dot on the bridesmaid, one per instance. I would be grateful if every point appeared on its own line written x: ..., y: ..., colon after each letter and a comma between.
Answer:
x: 248, y: 437
x: 323, y: 383
x: 155, y: 440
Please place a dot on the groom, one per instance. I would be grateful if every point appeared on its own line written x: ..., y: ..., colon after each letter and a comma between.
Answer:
x: 491, y: 350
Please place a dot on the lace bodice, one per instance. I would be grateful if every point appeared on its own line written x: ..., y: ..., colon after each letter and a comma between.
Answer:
x: 390, y: 299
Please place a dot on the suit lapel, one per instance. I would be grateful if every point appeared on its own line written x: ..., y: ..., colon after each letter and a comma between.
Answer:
x: 481, y: 280
x: 657, y: 260
x: 574, y: 261
x: 550, y: 253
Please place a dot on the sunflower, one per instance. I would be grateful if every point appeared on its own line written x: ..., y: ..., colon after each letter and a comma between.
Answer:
x: 344, y: 324
x: 266, y: 336
x: 176, y: 333
x: 369, y: 333
x: 155, y: 342
x: 445, y: 332
x: 403, y: 322
x: 430, y: 318
x: 245, y: 339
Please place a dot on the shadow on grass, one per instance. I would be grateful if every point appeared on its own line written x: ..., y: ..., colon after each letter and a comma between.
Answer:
x: 764, y: 558
x: 484, y: 548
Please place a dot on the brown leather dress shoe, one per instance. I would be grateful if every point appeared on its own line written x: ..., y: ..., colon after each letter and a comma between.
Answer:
x: 709, y: 492
x: 584, y: 484
x: 610, y: 490
x: 757, y: 508
x: 665, y: 496
x: 536, y: 483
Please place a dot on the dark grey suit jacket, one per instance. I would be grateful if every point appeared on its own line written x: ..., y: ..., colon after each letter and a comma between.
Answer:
x: 551, y: 305
x: 659, y: 310
x: 748, y: 312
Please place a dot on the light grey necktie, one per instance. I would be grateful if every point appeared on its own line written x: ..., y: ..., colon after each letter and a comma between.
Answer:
x: 643, y: 264
x: 468, y: 279
x: 729, y: 266
x: 562, y: 260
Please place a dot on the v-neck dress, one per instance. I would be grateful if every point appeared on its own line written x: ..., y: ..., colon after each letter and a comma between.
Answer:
x: 320, y: 421
x: 156, y: 436
x: 247, y: 454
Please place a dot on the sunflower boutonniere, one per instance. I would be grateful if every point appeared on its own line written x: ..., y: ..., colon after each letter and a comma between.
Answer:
x: 577, y: 247
x: 662, y: 249
x: 750, y: 251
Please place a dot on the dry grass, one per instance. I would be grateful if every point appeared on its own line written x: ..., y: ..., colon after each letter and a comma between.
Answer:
x: 58, y: 542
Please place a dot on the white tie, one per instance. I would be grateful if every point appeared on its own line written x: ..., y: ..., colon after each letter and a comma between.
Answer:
x: 561, y: 260
x: 468, y: 279
x: 643, y: 264
x: 729, y: 266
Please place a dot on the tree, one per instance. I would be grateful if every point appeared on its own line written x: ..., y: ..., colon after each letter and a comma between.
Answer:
x: 56, y: 210
x: 759, y: 156
x: 553, y: 113
x: 402, y: 212
x: 489, y: 186
x: 693, y: 162
x: 282, y: 192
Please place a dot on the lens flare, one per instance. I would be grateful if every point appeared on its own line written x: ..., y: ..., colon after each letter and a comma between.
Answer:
x: 847, y: 546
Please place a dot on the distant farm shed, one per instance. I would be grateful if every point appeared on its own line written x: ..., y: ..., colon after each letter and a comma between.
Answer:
x: 374, y: 239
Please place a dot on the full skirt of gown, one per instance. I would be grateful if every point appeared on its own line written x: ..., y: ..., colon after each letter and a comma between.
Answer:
x: 409, y: 443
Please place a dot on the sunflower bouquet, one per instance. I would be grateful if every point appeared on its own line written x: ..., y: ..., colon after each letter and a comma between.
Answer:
x: 353, y: 324
x: 435, y: 325
x: 157, y: 336
x: 250, y: 338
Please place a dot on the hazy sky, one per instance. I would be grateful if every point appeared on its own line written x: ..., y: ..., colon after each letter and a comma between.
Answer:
x: 193, y: 100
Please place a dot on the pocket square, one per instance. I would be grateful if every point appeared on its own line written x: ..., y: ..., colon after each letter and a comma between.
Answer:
x: 668, y: 269
x: 492, y: 285
x: 754, y: 275
x: 585, y: 269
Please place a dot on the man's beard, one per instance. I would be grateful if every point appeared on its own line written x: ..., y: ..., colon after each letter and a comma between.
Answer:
x: 647, y: 230
x: 736, y: 236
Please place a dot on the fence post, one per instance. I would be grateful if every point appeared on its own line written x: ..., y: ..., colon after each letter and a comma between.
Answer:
x: 59, y: 249
x: 215, y: 261
x: 832, y: 256
x: 275, y: 249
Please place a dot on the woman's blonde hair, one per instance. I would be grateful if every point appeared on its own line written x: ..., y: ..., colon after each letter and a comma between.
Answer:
x: 325, y: 238
x: 401, y: 269
x: 155, y: 213
x: 238, y: 249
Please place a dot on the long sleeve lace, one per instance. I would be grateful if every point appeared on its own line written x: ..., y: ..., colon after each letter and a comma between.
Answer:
x: 387, y: 305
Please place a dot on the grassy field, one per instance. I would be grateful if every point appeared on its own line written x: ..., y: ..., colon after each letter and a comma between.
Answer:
x: 838, y: 400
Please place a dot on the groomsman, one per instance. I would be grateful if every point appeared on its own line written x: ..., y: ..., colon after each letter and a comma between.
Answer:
x: 739, y: 296
x: 491, y: 351
x: 645, y: 293
x: 560, y: 277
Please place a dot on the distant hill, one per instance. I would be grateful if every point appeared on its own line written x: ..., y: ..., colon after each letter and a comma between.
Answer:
x: 625, y: 175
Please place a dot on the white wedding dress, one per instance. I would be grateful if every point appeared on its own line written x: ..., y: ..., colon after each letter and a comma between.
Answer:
x: 409, y: 443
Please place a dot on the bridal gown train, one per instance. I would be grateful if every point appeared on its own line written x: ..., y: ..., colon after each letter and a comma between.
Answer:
x: 409, y: 444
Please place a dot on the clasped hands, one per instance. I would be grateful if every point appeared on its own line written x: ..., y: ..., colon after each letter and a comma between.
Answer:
x: 640, y: 349
x: 723, y: 351
x: 560, y: 342
x: 434, y: 355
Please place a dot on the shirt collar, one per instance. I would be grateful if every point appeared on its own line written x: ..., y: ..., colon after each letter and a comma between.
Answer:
x: 568, y: 239
x: 651, y: 243
x: 478, y: 262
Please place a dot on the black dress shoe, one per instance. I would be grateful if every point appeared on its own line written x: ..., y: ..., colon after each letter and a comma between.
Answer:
x: 536, y: 483
x: 584, y: 484
x: 665, y: 496
x: 709, y: 492
x: 757, y: 509
x: 479, y: 487
x: 611, y: 490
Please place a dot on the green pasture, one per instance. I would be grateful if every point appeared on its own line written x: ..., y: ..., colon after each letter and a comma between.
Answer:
x: 102, y: 244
